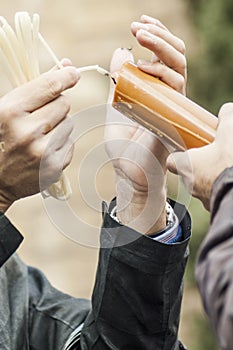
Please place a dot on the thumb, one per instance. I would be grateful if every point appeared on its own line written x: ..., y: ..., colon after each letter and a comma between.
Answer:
x: 64, y: 62
x: 119, y: 57
x: 177, y: 162
x: 226, y: 111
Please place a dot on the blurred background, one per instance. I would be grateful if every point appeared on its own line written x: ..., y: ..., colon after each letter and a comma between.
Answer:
x: 87, y: 32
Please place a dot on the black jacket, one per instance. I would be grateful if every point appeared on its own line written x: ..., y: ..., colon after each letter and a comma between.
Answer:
x: 135, y: 304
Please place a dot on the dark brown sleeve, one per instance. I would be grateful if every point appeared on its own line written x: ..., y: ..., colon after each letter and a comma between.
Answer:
x: 214, y: 269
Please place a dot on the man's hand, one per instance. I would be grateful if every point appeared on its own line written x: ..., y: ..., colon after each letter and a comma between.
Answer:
x: 200, y: 167
x: 168, y: 60
x: 34, y: 125
x: 138, y: 157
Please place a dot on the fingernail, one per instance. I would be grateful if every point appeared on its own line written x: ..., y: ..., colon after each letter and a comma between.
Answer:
x: 134, y: 24
x: 138, y: 25
x: 147, y: 18
x: 127, y: 48
x: 146, y: 35
x: 119, y: 57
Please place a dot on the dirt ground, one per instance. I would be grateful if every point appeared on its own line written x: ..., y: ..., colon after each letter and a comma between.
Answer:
x: 88, y: 32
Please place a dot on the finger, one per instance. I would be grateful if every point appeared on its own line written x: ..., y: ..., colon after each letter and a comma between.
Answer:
x: 55, y: 150
x: 226, y: 111
x: 185, y: 164
x: 225, y: 128
x: 50, y: 115
x: 31, y: 128
x: 66, y: 154
x: 166, y: 74
x: 176, y: 162
x: 59, y: 136
x: 60, y: 159
x: 119, y: 57
x: 52, y: 165
x: 164, y: 51
x: 167, y: 36
x: 42, y: 90
x: 154, y: 58
x: 151, y: 20
x: 179, y: 163
x: 65, y: 62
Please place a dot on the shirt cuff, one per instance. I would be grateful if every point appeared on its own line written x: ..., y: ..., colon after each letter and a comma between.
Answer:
x: 171, y: 234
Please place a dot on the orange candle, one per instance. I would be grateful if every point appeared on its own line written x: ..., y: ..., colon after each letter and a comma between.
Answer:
x: 162, y: 110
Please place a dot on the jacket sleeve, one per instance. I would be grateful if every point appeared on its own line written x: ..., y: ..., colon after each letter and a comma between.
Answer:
x: 137, y: 295
x: 34, y: 314
x: 214, y: 269
x: 10, y: 239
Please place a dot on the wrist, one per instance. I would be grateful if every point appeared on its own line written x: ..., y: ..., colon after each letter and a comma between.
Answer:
x: 4, y: 203
x: 143, y: 212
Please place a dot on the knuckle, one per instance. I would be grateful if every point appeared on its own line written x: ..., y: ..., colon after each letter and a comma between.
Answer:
x: 58, y: 81
x: 182, y: 46
x: 64, y: 129
x: 21, y: 135
x: 65, y: 103
x: 9, y: 110
x: 35, y: 152
x: 180, y: 83
x: 72, y: 75
x: 182, y: 63
x: 69, y: 124
x: 54, y: 86
x: 162, y: 67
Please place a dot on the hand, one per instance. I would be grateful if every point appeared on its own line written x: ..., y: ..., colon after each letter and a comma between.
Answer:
x: 139, y: 158
x: 200, y: 167
x: 34, y: 124
x: 168, y: 60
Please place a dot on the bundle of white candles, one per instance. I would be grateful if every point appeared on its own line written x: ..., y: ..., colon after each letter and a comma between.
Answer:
x: 19, y: 57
